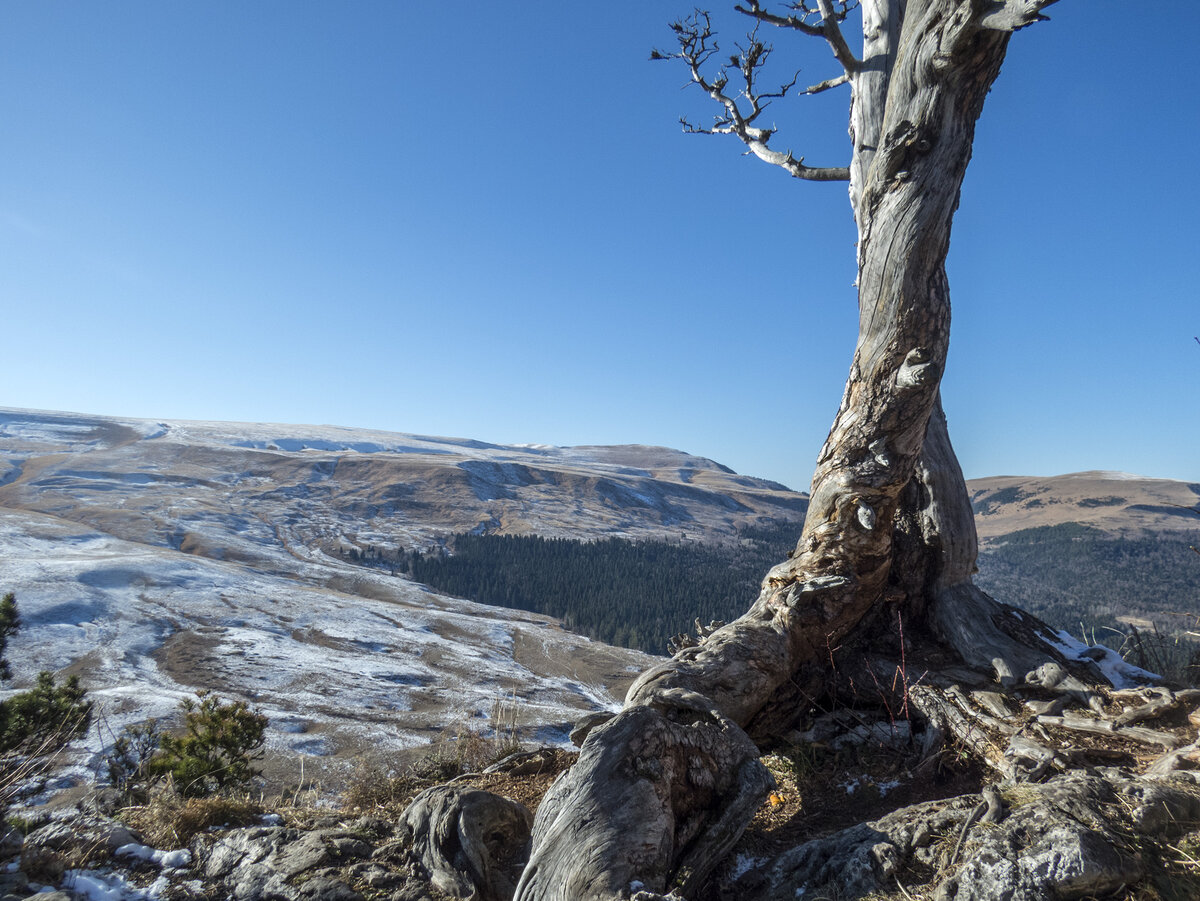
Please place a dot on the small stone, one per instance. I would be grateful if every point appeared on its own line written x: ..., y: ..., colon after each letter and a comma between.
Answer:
x: 347, y: 847
x: 326, y: 888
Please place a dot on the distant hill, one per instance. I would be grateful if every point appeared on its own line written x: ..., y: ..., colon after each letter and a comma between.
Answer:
x: 334, y: 489
x: 1094, y: 551
x: 1114, y: 502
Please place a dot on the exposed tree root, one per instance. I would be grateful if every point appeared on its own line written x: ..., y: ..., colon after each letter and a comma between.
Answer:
x: 673, y: 786
x: 664, y: 795
x: 464, y: 838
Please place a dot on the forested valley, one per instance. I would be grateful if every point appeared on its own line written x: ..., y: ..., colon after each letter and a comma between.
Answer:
x: 636, y: 594
x: 641, y: 594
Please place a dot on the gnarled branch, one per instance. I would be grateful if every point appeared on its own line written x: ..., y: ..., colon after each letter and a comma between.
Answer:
x: 697, y: 47
x: 1011, y: 15
x: 827, y: 84
x: 799, y: 23
x: 823, y: 21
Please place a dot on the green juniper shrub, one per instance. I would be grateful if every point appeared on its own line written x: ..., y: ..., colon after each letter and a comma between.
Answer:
x: 43, y: 719
x: 129, y: 762
x: 46, y: 717
x: 37, y: 723
x: 217, y: 750
x: 9, y: 623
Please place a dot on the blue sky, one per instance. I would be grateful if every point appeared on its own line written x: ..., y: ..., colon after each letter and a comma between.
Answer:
x: 483, y: 220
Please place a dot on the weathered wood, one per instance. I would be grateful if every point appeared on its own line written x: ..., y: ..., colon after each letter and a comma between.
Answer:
x: 1080, y: 723
x: 1026, y: 760
x: 656, y: 798
x: 993, y: 702
x: 1187, y: 757
x: 995, y: 637
x: 1054, y: 677
x: 944, y: 714
x: 463, y: 837
x: 1161, y: 701
x: 964, y: 703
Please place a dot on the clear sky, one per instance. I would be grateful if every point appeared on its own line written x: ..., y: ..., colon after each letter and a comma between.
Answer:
x: 482, y: 219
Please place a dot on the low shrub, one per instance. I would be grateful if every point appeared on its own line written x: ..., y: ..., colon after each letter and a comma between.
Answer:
x: 45, y: 718
x: 376, y: 787
x: 216, y: 751
x: 129, y: 762
x: 42, y: 720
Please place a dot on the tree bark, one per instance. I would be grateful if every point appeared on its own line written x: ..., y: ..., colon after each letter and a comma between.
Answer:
x: 889, y: 517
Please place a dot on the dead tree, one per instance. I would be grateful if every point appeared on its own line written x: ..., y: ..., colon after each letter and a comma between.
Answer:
x: 661, y: 791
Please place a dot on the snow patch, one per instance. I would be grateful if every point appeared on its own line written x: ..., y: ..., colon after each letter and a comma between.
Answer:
x: 743, y: 864
x: 94, y: 885
x: 1114, y: 667
x: 167, y: 860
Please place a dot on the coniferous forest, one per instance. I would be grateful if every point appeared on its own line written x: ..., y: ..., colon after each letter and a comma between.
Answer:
x: 1078, y: 577
x: 642, y: 593
x: 637, y: 594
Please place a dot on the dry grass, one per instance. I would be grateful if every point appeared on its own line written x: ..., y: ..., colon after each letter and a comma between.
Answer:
x: 169, y: 820
x: 377, y: 786
x: 48, y: 865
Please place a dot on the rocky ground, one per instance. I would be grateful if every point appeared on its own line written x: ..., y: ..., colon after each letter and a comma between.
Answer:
x: 862, y: 813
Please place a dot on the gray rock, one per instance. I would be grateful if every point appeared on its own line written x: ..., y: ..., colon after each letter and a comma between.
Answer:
x: 81, y: 831
x: 270, y: 862
x: 413, y: 891
x: 1065, y: 861
x: 1068, y: 838
x: 326, y: 888
x: 1161, y: 809
x: 348, y: 847
x: 10, y: 841
x: 13, y: 887
x: 374, y: 876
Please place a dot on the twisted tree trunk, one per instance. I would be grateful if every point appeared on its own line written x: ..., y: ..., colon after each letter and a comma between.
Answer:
x: 889, y: 520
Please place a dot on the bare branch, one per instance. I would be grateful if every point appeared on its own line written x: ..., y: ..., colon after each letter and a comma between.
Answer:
x: 741, y: 110
x: 795, y: 166
x: 800, y: 23
x: 823, y: 21
x: 830, y: 24
x: 1010, y: 15
x: 827, y: 84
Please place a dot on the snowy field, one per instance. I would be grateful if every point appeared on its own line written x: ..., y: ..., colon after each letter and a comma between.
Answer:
x: 147, y: 564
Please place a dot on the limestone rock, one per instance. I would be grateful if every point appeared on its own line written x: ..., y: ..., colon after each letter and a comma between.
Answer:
x: 1067, y: 838
x: 282, y: 862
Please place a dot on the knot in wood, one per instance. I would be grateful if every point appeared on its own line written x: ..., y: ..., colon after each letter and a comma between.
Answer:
x: 866, y: 516
x: 902, y: 133
x: 648, y: 768
x: 810, y: 589
x: 879, y: 452
x: 917, y: 369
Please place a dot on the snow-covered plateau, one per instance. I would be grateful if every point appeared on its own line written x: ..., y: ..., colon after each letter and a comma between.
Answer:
x: 157, y: 558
